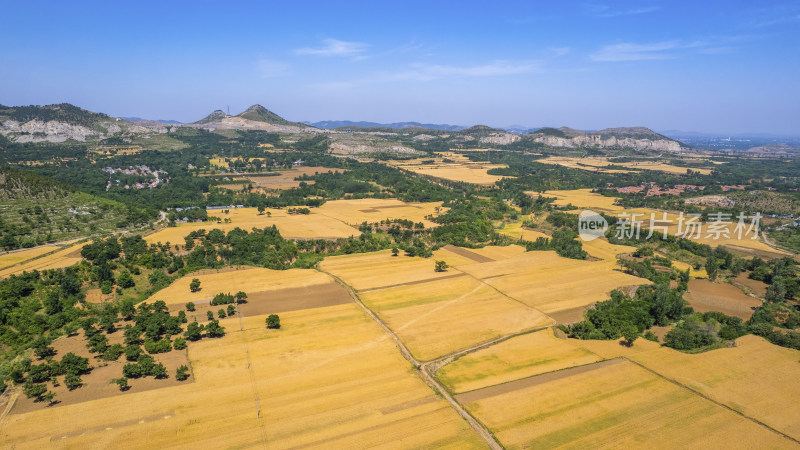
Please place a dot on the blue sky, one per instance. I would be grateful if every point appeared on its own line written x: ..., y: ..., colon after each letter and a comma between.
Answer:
x: 714, y: 66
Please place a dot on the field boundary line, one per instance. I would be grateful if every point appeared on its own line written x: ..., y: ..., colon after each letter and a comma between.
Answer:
x: 476, y: 425
x: 716, y: 402
x: 256, y: 396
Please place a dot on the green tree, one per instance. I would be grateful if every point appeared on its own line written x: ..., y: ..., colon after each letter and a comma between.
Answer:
x: 215, y: 330
x: 190, y: 306
x: 630, y: 333
x: 194, y: 286
x: 712, y: 267
x: 122, y: 382
x: 132, y: 352
x: 221, y: 313
x: 179, y: 344
x: 72, y: 380
x: 241, y: 297
x: 273, y: 322
x: 395, y: 251
x: 194, y: 331
x: 231, y: 310
x: 441, y: 266
x: 125, y: 280
x: 210, y: 315
x: 182, y: 373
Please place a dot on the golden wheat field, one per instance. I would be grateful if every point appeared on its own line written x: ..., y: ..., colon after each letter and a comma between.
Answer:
x: 354, y: 212
x: 516, y: 358
x: 332, y: 220
x: 328, y: 378
x: 752, y: 378
x: 381, y: 269
x: 63, y: 258
x: 728, y: 234
x: 614, y: 404
x: 456, y: 168
x: 442, y: 316
x: 550, y: 283
x: 517, y: 231
x: 311, y: 226
x: 598, y: 164
x: 249, y: 280
x: 11, y: 258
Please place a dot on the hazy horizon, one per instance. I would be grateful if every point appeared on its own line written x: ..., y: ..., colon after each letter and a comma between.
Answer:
x: 715, y: 67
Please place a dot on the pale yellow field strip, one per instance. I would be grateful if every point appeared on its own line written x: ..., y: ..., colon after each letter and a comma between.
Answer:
x: 519, y: 357
x: 249, y: 280
x: 595, y: 164
x: 550, y: 283
x: 58, y: 260
x: 729, y: 237
x: 330, y: 378
x: 517, y: 231
x: 380, y: 269
x: 354, y: 212
x: 299, y: 226
x: 754, y: 378
x: 615, y: 406
x: 442, y: 316
x: 16, y: 257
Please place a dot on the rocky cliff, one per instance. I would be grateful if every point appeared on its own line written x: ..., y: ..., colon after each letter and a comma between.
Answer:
x: 637, y: 138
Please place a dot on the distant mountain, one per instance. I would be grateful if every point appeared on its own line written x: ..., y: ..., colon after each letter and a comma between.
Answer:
x: 637, y: 138
x: 139, y: 119
x: 215, y: 116
x: 331, y: 124
x: 255, y: 117
x: 258, y: 113
x: 62, y: 112
x: 61, y: 122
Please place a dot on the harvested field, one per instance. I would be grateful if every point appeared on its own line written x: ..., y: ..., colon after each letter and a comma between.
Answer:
x: 96, y: 384
x: 758, y: 288
x: 18, y: 256
x: 285, y: 179
x: 704, y: 295
x: 551, y: 283
x: 517, y: 358
x: 475, y: 257
x: 60, y: 259
x: 294, y: 299
x: 616, y: 405
x: 328, y: 378
x: 299, y: 226
x: 441, y: 316
x: 354, y: 212
x: 459, y: 168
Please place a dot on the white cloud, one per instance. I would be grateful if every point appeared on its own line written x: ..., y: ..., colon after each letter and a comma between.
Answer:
x: 427, y: 72
x: 270, y: 68
x: 606, y: 11
x: 335, y: 47
x: 557, y: 51
x: 630, y: 12
x: 635, y: 52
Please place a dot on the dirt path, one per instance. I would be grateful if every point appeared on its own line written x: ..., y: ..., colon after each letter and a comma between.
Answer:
x: 511, y: 386
x: 479, y: 428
